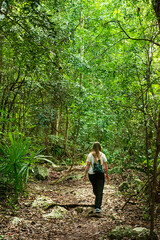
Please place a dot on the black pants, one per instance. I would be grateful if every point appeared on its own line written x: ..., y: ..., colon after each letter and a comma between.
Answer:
x: 97, y: 181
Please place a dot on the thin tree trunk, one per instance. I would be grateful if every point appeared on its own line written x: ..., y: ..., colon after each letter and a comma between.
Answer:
x: 46, y: 140
x: 156, y: 7
x: 61, y: 110
x: 1, y: 56
x: 24, y: 110
x: 67, y: 131
x: 80, y: 89
x: 57, y: 123
x: 154, y: 184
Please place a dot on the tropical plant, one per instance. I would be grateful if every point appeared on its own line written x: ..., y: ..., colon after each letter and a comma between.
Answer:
x: 15, y: 163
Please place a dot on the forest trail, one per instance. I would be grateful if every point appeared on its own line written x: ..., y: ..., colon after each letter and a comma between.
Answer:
x: 75, y: 224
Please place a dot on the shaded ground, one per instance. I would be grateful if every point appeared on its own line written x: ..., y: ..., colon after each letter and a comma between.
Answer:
x: 75, y: 225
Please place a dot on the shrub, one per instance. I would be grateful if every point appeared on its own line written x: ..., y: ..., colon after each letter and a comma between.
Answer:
x: 15, y: 163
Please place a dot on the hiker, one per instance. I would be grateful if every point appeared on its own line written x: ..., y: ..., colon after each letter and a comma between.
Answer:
x: 96, y: 163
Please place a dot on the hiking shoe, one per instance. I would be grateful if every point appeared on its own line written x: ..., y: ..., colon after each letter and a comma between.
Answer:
x: 98, y: 210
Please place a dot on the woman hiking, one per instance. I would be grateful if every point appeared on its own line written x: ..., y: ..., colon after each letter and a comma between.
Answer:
x: 96, y: 163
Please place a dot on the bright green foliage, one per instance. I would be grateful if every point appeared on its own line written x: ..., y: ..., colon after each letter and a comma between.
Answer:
x: 78, y: 71
x: 15, y: 163
x: 75, y: 72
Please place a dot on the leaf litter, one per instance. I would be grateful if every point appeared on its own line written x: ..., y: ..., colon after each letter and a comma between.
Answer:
x: 77, y: 198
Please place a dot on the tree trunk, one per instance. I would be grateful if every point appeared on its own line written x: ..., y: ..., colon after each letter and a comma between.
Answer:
x: 156, y: 7
x: 1, y: 57
x: 67, y: 131
x: 154, y: 183
x: 46, y: 140
x: 61, y: 110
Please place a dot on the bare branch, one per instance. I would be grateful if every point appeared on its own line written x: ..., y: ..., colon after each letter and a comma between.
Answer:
x: 136, y: 39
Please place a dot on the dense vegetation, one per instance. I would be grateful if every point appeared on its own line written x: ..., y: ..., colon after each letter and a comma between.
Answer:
x: 72, y: 72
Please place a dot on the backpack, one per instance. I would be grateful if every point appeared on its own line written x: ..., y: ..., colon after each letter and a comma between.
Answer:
x: 98, y: 168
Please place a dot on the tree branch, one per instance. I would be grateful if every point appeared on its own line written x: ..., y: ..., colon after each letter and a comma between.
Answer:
x: 136, y: 39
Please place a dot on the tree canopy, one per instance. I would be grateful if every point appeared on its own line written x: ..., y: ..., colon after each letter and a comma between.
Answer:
x: 75, y: 72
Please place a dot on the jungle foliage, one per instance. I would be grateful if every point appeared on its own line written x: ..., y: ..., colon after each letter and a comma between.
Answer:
x: 72, y: 72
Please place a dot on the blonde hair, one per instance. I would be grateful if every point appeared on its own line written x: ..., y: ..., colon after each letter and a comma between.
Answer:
x: 96, y: 149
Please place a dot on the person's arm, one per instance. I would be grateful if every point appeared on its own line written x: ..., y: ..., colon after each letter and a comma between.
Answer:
x: 106, y: 170
x: 86, y: 170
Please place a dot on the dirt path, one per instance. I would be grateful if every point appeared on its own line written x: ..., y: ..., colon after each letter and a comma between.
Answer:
x: 76, y: 224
